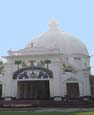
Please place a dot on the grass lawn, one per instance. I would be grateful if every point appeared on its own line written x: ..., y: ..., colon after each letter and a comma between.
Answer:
x: 47, y: 113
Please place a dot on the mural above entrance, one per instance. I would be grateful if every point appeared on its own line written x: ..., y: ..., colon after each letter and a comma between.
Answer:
x: 33, y: 72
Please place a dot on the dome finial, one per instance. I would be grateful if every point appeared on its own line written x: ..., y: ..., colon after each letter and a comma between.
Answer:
x: 53, y: 24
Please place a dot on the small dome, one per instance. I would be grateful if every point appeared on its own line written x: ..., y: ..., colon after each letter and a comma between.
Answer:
x: 57, y: 39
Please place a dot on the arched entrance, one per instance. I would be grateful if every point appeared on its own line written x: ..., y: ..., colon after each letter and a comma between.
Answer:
x: 33, y: 82
x: 72, y: 88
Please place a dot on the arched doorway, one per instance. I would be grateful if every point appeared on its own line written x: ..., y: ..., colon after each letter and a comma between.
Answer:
x: 33, y: 82
x: 72, y: 88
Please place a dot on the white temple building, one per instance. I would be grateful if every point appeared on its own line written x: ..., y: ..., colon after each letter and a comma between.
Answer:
x: 54, y: 64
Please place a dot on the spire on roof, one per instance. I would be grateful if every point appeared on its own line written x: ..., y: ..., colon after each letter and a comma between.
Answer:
x: 53, y: 25
x: 53, y: 22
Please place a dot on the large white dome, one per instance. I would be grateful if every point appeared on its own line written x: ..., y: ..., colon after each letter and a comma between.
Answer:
x: 57, y: 39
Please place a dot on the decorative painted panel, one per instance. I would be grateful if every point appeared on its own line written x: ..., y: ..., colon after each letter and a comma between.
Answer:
x: 32, y: 72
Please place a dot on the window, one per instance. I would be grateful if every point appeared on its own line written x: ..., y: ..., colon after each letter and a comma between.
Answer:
x: 77, y: 58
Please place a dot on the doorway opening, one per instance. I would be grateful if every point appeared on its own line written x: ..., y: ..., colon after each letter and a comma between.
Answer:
x: 36, y: 89
x: 72, y: 90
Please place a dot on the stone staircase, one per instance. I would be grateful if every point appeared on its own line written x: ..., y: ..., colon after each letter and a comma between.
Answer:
x: 43, y: 103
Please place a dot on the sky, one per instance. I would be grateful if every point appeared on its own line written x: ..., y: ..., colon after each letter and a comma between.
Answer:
x: 22, y: 20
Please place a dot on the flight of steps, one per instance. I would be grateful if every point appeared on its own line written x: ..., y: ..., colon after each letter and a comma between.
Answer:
x: 44, y: 103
